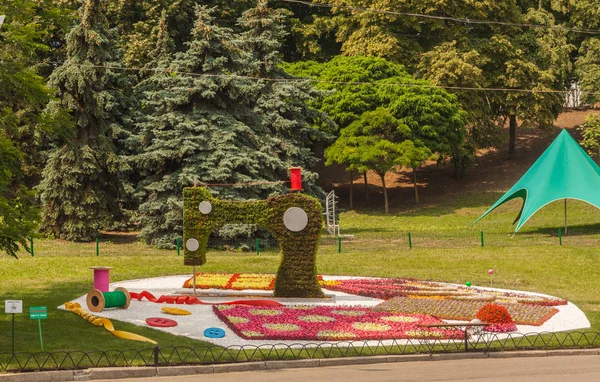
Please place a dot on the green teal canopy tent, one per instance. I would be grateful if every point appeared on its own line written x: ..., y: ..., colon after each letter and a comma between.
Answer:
x: 564, y: 171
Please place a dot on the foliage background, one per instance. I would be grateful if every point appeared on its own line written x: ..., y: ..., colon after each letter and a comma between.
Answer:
x: 119, y: 157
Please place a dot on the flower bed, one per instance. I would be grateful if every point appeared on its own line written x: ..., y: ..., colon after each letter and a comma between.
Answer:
x: 235, y: 281
x: 450, y: 309
x: 325, y: 323
x: 452, y: 302
x: 388, y: 288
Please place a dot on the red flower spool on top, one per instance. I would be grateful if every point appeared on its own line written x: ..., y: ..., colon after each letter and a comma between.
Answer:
x: 296, y: 178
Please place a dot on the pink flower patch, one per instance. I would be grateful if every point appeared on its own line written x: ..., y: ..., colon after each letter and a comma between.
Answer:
x: 329, y: 323
x: 501, y: 328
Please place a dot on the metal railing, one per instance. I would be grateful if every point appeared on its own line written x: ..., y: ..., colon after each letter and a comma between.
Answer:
x: 212, y: 354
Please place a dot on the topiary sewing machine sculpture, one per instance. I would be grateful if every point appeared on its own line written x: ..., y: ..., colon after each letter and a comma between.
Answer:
x: 294, y: 219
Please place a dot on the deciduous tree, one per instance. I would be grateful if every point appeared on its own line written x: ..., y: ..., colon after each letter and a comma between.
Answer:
x: 359, y: 85
x: 379, y: 142
x: 590, y: 132
x: 23, y: 95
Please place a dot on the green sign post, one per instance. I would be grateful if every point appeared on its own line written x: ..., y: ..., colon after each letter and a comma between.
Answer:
x: 39, y: 313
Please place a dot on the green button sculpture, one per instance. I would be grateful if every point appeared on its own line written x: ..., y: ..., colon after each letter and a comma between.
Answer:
x: 294, y: 219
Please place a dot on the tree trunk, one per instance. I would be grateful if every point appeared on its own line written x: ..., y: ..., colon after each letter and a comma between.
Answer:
x: 512, y: 136
x: 415, y: 185
x: 385, y: 195
x: 351, y: 190
x: 366, y: 187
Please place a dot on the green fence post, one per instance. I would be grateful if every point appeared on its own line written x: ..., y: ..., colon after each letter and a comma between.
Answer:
x: 339, y: 245
x: 31, y: 245
x: 257, y: 245
x: 559, y: 236
x: 178, y: 243
x: 482, y: 244
x: 97, y: 247
x: 409, y: 241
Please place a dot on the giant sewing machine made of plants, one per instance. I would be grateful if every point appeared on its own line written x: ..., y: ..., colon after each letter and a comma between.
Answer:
x: 294, y: 219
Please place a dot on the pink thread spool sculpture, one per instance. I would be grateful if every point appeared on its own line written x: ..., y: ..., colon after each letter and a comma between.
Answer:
x: 101, y: 278
x: 296, y: 178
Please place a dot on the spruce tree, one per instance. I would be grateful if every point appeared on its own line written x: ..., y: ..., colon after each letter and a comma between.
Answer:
x: 205, y: 119
x: 81, y: 187
x: 288, y: 123
x: 195, y: 127
x: 137, y: 20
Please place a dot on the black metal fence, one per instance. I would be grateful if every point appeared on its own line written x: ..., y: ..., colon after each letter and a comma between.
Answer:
x: 205, y: 355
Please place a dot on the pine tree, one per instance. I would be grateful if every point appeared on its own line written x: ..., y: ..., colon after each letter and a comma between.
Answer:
x: 137, y: 20
x: 195, y: 126
x: 81, y: 187
x: 287, y: 123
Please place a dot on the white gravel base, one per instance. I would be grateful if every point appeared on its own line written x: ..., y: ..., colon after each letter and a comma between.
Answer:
x: 569, y: 316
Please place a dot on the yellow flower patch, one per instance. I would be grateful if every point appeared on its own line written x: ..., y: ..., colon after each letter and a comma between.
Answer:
x: 371, y: 326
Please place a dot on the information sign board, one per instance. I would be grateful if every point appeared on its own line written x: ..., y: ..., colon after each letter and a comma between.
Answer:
x: 13, y: 306
x: 38, y: 313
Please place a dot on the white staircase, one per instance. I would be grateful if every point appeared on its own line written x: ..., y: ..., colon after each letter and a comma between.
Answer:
x: 332, y: 227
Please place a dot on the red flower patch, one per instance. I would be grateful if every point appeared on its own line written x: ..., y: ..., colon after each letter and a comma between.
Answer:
x: 494, y: 314
x: 498, y: 316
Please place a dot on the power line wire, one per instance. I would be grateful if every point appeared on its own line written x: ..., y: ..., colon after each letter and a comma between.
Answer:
x: 241, y: 183
x: 292, y: 80
x: 455, y: 19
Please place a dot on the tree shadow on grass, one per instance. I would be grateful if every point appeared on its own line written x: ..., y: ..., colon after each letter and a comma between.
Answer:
x: 572, y: 230
x: 467, y: 200
x: 355, y: 230
x: 117, y: 237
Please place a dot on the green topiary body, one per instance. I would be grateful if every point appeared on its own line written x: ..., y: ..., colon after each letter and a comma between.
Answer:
x: 297, y: 273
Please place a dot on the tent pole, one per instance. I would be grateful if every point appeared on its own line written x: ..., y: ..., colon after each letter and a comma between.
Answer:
x: 565, y: 216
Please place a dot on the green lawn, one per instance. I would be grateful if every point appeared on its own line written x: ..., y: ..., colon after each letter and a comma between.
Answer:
x: 445, y: 248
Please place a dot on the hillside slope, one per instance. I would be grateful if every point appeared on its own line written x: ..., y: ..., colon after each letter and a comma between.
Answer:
x: 491, y: 172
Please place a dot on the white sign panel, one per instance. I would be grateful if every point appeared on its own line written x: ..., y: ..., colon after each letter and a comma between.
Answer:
x: 13, y: 306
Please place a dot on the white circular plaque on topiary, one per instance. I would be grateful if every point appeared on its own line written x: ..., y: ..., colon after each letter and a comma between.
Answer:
x: 295, y: 219
x: 205, y: 207
x: 192, y: 244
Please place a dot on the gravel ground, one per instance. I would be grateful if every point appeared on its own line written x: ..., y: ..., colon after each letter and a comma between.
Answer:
x: 202, y: 317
